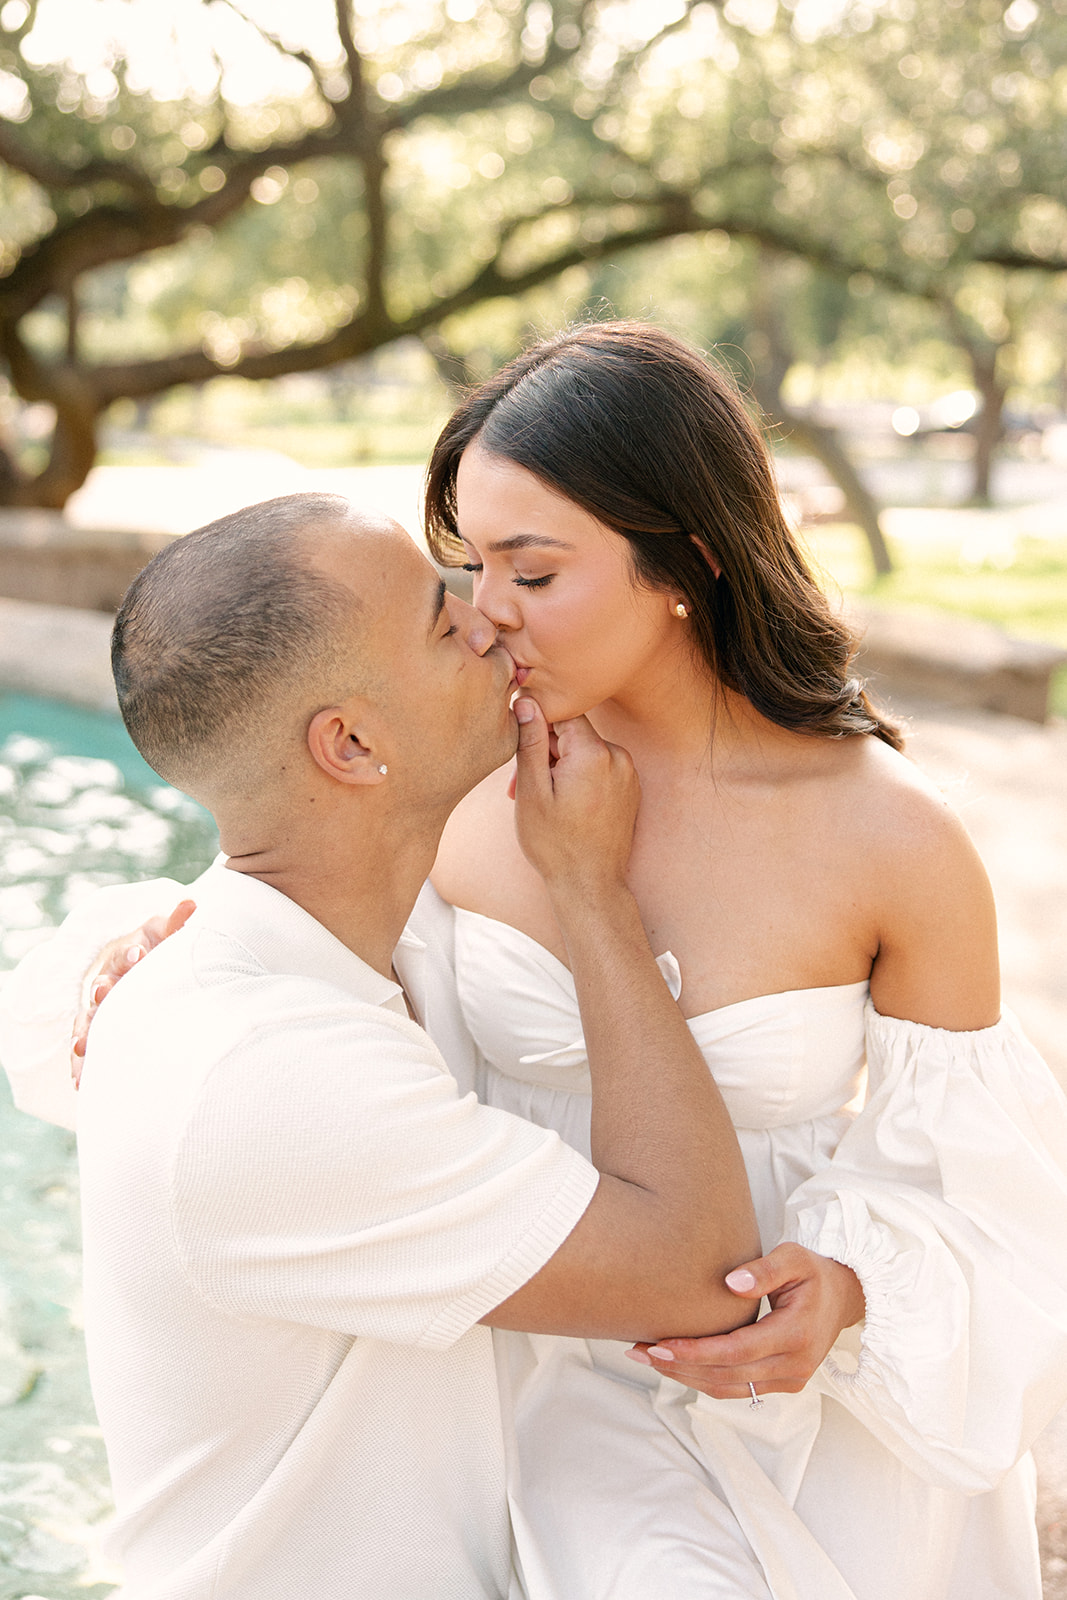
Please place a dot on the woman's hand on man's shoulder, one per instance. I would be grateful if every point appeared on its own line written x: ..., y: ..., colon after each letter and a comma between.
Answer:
x: 115, y: 960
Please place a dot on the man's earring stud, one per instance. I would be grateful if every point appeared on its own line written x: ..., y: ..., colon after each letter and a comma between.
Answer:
x: 383, y: 769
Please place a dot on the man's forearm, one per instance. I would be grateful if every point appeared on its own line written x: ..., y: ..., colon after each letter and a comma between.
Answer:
x: 672, y: 1213
x: 658, y: 1121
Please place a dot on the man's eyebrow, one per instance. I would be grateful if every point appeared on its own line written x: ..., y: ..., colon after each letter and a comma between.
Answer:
x: 527, y: 541
x: 439, y: 606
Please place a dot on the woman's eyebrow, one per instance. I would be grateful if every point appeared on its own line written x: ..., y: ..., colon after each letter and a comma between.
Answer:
x: 526, y: 541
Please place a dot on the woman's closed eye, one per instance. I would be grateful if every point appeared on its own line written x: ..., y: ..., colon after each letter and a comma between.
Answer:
x: 523, y: 583
x: 533, y: 583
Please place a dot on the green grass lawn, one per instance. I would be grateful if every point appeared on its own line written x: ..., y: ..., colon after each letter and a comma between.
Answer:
x: 1019, y: 584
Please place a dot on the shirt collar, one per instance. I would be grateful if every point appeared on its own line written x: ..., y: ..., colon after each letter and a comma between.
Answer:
x: 409, y: 963
x: 285, y: 938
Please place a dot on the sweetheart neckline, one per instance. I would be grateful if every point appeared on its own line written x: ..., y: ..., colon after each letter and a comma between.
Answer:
x: 700, y: 1016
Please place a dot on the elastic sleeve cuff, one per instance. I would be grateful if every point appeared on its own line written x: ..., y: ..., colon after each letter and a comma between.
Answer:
x: 873, y: 1254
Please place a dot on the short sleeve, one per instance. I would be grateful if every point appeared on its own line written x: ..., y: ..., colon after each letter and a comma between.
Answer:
x: 332, y: 1174
x: 41, y: 998
x: 948, y: 1198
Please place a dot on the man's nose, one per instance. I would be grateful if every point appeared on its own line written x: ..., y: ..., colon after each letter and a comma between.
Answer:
x: 477, y: 629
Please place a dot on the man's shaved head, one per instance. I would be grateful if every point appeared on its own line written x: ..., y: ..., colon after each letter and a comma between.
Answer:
x: 226, y: 627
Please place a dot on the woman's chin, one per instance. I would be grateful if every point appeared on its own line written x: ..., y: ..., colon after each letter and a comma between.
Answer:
x: 556, y: 709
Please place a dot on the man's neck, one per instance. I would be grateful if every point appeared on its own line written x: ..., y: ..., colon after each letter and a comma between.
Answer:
x: 361, y: 891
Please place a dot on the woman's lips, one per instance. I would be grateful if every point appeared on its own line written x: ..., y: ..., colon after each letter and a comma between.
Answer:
x: 521, y: 674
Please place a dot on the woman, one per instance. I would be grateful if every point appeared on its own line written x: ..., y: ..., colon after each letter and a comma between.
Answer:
x: 816, y: 903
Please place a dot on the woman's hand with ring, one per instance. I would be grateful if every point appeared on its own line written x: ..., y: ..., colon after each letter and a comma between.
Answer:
x: 812, y: 1300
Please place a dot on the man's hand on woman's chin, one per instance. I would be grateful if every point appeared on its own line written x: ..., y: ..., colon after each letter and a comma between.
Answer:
x: 576, y: 800
x: 115, y: 961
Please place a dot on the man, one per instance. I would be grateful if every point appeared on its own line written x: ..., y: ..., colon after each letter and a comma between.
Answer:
x: 298, y: 1230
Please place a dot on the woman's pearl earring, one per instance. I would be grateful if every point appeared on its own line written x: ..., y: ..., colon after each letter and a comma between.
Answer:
x: 681, y: 609
x: 383, y: 769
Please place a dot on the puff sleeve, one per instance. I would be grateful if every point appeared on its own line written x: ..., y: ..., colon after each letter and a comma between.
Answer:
x: 948, y: 1198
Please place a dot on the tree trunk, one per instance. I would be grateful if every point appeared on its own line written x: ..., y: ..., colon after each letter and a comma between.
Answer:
x: 10, y: 478
x: 985, y: 358
x: 825, y: 446
x: 771, y: 361
x: 988, y: 434
x: 70, y: 462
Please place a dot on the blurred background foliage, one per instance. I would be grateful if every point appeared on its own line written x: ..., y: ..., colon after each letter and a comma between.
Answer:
x: 859, y: 204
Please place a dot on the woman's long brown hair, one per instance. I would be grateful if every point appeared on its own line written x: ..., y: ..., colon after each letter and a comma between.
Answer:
x: 655, y: 442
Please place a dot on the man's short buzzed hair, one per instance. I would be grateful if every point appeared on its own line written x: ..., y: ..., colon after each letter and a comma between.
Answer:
x: 217, y: 625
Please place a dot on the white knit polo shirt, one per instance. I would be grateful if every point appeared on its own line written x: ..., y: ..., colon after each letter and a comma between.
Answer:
x: 293, y: 1222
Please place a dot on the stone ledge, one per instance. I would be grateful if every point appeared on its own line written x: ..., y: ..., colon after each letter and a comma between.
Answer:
x: 956, y: 660
x: 45, y: 559
x: 57, y: 652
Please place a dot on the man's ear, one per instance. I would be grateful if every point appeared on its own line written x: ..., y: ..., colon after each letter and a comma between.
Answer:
x: 336, y: 745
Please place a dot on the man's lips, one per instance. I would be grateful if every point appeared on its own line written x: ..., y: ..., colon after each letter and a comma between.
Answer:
x: 508, y: 662
x: 519, y: 673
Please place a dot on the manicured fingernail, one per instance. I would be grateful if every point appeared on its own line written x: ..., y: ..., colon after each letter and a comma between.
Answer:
x: 740, y: 1279
x: 77, y: 1046
x: 99, y: 991
x: 637, y: 1355
x: 134, y: 953
x: 661, y: 1352
x: 524, y: 710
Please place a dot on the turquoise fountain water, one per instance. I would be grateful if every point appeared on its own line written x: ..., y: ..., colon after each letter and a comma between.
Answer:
x: 78, y: 809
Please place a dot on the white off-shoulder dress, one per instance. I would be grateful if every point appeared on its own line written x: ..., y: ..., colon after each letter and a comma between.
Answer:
x: 901, y: 1471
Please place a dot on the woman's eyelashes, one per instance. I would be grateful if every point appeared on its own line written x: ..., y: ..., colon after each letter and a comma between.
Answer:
x: 523, y: 583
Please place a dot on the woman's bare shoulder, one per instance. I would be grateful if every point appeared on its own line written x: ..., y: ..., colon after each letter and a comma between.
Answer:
x: 924, y: 879
x: 874, y: 803
x: 899, y: 812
